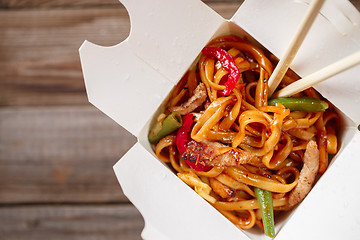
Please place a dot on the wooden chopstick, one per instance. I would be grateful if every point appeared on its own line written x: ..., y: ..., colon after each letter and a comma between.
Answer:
x: 319, y: 76
x: 294, y: 45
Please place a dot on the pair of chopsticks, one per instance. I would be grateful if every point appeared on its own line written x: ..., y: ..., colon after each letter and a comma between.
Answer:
x: 292, y: 49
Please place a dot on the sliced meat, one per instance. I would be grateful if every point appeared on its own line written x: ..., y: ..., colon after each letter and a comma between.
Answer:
x: 211, y: 154
x: 193, y: 102
x: 307, y: 174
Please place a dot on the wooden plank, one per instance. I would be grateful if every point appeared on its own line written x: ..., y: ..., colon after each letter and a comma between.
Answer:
x: 12, y: 4
x: 62, y: 154
x: 73, y: 3
x: 39, y: 61
x: 74, y: 222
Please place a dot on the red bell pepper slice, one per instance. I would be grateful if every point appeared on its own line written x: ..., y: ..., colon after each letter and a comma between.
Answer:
x: 228, y: 63
x: 183, y: 137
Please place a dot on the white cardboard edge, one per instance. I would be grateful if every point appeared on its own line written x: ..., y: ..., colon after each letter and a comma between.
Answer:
x: 175, y: 41
x: 122, y: 85
x: 149, y: 232
x: 331, y: 211
x: 129, y: 81
x: 168, y: 204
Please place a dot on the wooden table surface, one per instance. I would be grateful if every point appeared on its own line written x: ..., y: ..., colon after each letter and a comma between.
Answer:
x: 56, y: 150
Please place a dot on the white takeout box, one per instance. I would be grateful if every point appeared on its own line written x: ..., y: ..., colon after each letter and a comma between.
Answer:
x: 129, y: 81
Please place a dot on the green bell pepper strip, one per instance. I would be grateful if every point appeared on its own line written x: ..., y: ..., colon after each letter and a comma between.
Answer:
x: 301, y: 104
x: 264, y: 198
x: 161, y: 129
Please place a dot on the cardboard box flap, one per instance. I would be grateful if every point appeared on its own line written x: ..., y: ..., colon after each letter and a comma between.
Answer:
x: 334, y: 35
x: 187, y: 213
x: 171, y: 39
x: 333, y: 204
x: 151, y: 233
x: 149, y: 62
x: 122, y: 85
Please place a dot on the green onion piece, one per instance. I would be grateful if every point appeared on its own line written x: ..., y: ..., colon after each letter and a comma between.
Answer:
x: 161, y: 129
x: 301, y: 104
x: 264, y: 198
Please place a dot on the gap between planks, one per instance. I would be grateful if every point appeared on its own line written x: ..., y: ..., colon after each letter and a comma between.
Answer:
x: 76, y: 222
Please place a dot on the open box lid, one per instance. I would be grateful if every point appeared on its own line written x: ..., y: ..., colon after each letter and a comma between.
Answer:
x: 162, y: 186
x: 129, y: 81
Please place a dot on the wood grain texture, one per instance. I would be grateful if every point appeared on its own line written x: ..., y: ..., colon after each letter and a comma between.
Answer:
x: 39, y: 60
x: 73, y: 3
x: 59, y: 155
x: 89, y: 222
x: 16, y: 4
